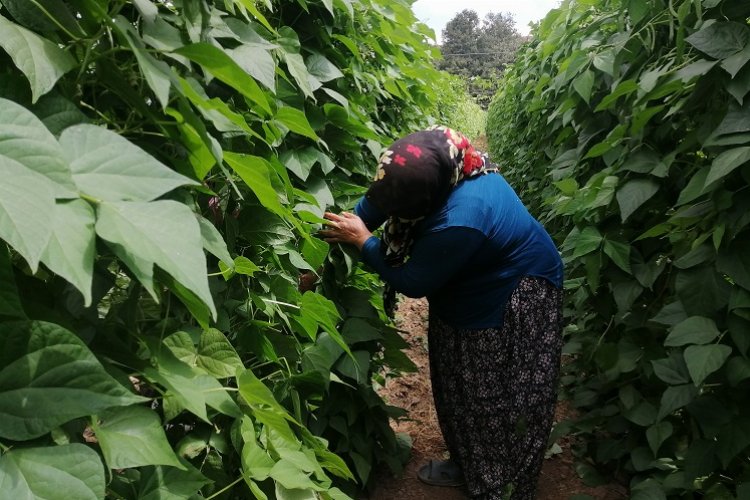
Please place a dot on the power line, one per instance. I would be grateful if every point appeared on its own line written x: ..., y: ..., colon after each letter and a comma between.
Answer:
x: 475, y: 54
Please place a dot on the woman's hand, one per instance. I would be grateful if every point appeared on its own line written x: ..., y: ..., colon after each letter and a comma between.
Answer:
x: 345, y: 228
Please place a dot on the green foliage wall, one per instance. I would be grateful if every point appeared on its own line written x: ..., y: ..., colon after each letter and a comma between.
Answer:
x: 135, y: 137
x: 625, y: 126
x: 455, y: 108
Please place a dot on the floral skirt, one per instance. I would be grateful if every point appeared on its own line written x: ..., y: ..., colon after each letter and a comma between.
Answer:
x: 495, y: 391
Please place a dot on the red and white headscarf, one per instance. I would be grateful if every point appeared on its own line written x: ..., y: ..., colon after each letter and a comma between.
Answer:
x: 414, y: 178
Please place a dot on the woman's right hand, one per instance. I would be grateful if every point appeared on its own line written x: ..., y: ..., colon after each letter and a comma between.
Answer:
x: 345, y: 228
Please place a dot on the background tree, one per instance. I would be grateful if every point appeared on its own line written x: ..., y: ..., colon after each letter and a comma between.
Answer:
x: 478, y: 50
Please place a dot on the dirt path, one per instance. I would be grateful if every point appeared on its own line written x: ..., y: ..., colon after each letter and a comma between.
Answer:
x: 558, y: 480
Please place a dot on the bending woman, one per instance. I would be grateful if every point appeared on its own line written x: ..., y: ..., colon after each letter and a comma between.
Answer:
x: 457, y: 233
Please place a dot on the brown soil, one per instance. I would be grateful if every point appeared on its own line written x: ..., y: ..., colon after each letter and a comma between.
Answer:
x: 558, y: 480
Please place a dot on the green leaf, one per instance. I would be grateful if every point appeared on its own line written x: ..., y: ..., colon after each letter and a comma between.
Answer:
x: 43, y: 15
x: 322, y: 69
x: 191, y: 387
x: 58, y: 113
x: 657, y: 434
x: 619, y: 253
x: 726, y: 162
x: 733, y: 439
x: 734, y: 260
x: 157, y: 73
x: 300, y: 162
x: 24, y: 138
x: 633, y: 194
x: 10, y: 304
x: 72, y: 246
x: 216, y: 355
x: 170, y: 483
x: 721, y: 39
x: 290, y: 476
x: 623, y: 88
x: 221, y: 65
x: 256, y: 173
x: 738, y: 370
x: 265, y: 407
x: 70, y: 471
x: 703, y: 360
x: 41, y: 61
x: 243, y: 265
x: 26, y: 204
x: 583, y: 84
x: 133, y: 437
x: 585, y: 241
x: 164, y: 233
x: 257, y: 62
x: 676, y: 397
x: 693, y: 330
x: 604, y: 61
x: 109, y: 167
x: 671, y: 370
x: 296, y: 121
x: 213, y: 242
x: 49, y: 377
x: 296, y: 66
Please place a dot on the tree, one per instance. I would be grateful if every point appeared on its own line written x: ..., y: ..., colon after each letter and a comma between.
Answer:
x: 479, y: 50
x: 460, y: 37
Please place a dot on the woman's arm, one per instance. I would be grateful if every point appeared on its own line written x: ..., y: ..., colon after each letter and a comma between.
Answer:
x: 370, y: 214
x: 435, y: 259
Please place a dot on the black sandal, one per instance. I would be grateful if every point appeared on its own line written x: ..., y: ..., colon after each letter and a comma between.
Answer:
x: 441, y: 473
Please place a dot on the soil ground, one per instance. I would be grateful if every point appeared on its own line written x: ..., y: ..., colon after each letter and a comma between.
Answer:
x: 558, y: 480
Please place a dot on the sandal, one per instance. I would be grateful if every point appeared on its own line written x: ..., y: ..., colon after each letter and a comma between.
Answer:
x: 441, y: 473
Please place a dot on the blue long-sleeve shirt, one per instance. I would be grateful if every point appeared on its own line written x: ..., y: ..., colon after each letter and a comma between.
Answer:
x: 469, y: 256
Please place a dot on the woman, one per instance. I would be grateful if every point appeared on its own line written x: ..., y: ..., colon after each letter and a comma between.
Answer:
x: 458, y: 234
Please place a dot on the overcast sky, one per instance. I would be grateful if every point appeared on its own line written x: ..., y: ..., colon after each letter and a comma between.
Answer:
x: 437, y: 13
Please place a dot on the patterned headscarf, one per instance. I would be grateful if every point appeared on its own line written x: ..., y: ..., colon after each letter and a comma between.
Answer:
x: 414, y: 179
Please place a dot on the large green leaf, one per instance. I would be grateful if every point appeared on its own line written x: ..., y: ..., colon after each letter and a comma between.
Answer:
x: 164, y: 233
x: 633, y: 194
x: 726, y: 162
x: 721, y: 39
x: 170, y: 483
x: 734, y: 260
x: 72, y: 246
x: 42, y: 61
x: 221, y: 65
x: 157, y: 73
x: 214, y: 352
x: 68, y: 471
x: 694, y: 330
x: 109, y: 167
x: 256, y: 173
x: 24, y: 138
x: 300, y: 161
x: 703, y: 360
x: 322, y: 69
x: 676, y: 397
x: 265, y: 407
x: 49, y: 377
x: 257, y: 62
x: 657, y: 434
x: 296, y: 66
x: 27, y: 203
x: 296, y: 121
x: 191, y: 387
x: 132, y: 437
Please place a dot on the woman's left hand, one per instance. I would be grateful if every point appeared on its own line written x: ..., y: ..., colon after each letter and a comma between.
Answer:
x: 345, y: 228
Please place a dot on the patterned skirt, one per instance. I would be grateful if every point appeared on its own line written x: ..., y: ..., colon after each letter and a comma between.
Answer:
x: 495, y: 391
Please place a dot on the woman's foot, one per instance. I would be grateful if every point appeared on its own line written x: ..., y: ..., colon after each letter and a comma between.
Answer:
x: 441, y: 473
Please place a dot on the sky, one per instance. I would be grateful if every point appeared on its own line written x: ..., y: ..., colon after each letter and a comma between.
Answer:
x: 437, y: 13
